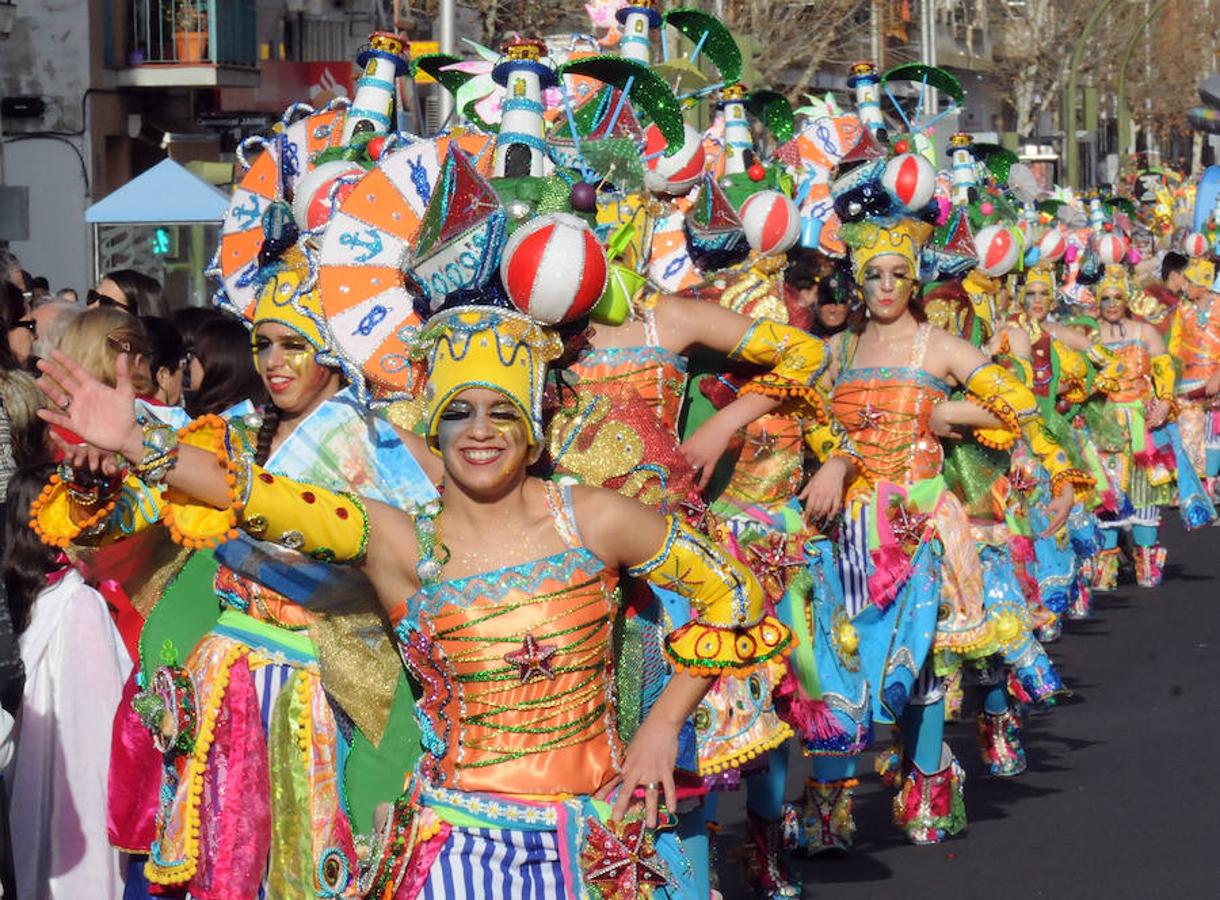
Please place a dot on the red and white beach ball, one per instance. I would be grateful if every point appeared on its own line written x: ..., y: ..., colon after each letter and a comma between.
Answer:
x: 997, y: 250
x: 771, y: 221
x: 1111, y: 248
x: 675, y: 174
x: 316, y: 193
x: 554, y: 268
x: 910, y: 180
x: 1052, y: 246
x: 1195, y: 244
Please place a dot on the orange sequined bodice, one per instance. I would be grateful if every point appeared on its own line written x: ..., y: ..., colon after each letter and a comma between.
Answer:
x: 657, y: 375
x: 1198, y: 346
x: 1134, y: 372
x: 515, y: 666
x: 886, y: 411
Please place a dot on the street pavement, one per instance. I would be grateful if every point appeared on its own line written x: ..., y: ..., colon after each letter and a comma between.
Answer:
x: 1122, y: 795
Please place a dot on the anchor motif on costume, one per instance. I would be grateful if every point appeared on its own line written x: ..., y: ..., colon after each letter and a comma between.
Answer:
x: 675, y: 266
x: 419, y: 178
x: 249, y: 213
x: 372, y: 246
x: 371, y: 320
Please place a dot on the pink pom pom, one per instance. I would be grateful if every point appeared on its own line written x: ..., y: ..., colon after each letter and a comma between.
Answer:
x: 1134, y: 256
x: 986, y: 208
x: 1069, y: 255
x: 945, y: 208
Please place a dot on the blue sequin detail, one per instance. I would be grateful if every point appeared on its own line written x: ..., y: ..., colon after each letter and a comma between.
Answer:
x: 638, y: 355
x: 895, y: 373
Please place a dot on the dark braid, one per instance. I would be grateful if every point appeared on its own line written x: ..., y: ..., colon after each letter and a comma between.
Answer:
x: 266, y: 433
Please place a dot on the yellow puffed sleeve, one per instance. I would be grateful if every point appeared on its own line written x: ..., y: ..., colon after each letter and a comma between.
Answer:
x: 1164, y: 378
x: 996, y: 390
x: 1073, y: 372
x: 1107, y: 364
x: 795, y: 360
x: 730, y: 633
x: 60, y: 519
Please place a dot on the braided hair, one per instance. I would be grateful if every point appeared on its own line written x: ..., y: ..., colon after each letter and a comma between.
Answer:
x: 266, y: 433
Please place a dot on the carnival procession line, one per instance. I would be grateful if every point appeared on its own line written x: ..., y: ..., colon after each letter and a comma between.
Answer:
x: 1122, y: 795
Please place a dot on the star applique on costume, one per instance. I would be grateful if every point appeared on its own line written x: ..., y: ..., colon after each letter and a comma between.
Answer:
x: 622, y: 866
x: 533, y: 660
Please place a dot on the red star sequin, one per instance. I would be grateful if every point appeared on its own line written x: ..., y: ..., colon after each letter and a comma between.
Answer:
x: 764, y: 442
x: 533, y: 660
x: 773, y: 556
x: 869, y: 416
x: 621, y: 865
x: 1021, y: 481
x: 908, y: 527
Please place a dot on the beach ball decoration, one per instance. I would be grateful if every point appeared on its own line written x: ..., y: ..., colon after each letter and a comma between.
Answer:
x: 554, y: 268
x: 1195, y: 244
x: 997, y: 250
x: 675, y: 174
x: 771, y: 221
x: 910, y: 180
x: 320, y: 190
x: 1111, y: 248
x: 1052, y: 246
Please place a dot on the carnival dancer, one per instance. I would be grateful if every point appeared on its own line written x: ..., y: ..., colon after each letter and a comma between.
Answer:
x: 509, y: 640
x: 1061, y: 377
x: 905, y: 619
x: 641, y: 365
x: 247, y: 701
x: 1194, y: 340
x: 1140, y: 447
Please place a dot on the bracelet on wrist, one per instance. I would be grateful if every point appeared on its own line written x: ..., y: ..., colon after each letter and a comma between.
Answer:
x: 160, y: 453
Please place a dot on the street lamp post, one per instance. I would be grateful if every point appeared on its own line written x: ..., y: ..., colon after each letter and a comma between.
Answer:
x: 1124, y: 114
x: 1071, y: 149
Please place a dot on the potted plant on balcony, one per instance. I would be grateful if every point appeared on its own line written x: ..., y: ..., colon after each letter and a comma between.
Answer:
x: 189, y: 19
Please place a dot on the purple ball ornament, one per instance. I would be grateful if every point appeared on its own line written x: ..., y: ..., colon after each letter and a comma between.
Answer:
x: 584, y: 197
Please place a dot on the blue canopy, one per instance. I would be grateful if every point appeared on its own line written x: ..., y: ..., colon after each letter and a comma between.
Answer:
x: 167, y: 194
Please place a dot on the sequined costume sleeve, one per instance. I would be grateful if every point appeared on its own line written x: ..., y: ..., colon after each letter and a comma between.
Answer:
x: 1107, y: 365
x: 1074, y: 372
x: 795, y: 360
x: 1164, y: 381
x: 730, y: 633
x: 995, y: 389
x: 318, y: 522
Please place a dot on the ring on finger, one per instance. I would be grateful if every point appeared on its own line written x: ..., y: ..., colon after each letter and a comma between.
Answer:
x: 653, y: 786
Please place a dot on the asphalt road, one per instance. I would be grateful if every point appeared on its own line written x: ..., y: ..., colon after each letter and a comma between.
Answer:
x: 1122, y: 795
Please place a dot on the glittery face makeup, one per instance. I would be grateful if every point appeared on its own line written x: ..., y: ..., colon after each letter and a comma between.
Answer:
x: 483, y: 439
x: 1113, y: 304
x: 288, y: 366
x: 887, y: 285
x: 1037, y: 298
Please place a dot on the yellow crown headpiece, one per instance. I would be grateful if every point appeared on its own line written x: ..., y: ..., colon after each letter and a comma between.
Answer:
x: 290, y: 296
x: 869, y: 240
x: 1201, y: 271
x: 1115, y: 277
x: 1040, y: 274
x: 485, y: 347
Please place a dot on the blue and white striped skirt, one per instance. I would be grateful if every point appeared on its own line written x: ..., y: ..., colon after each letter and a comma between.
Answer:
x: 500, y: 863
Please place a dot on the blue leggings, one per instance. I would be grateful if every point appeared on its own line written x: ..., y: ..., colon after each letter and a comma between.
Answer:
x: 764, y: 790
x: 1143, y: 535
x: 1213, y: 463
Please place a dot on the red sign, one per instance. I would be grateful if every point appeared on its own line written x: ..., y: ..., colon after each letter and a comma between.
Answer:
x: 284, y: 83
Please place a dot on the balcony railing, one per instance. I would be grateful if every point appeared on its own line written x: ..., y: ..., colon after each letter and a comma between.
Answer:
x: 193, y: 33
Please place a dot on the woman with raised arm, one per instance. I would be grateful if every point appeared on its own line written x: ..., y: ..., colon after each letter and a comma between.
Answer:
x: 502, y: 596
x: 903, y: 604
x: 241, y: 696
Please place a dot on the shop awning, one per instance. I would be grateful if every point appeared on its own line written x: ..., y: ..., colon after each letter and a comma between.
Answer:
x: 167, y: 194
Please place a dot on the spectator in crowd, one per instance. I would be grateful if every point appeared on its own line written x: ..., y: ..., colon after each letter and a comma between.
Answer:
x: 18, y: 326
x: 10, y: 268
x: 188, y: 320
x: 23, y: 436
x: 130, y: 291
x: 97, y: 337
x: 167, y: 360
x: 221, y: 368
x: 75, y: 666
x: 40, y: 289
x: 68, y: 295
x: 51, y: 318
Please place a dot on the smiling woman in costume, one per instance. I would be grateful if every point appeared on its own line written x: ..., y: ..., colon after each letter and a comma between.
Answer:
x: 509, y: 639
